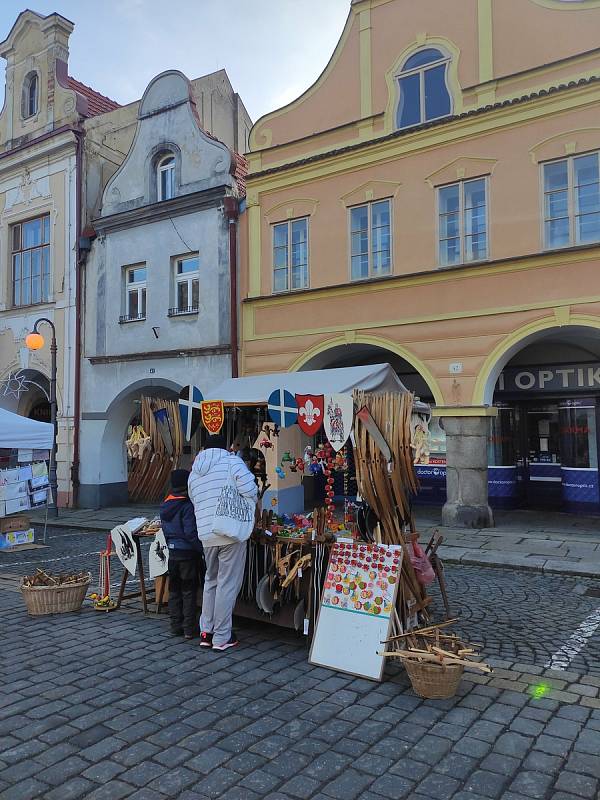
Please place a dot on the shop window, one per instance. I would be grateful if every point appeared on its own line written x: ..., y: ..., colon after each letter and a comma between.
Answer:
x: 572, y: 201
x: 135, y: 293
x: 29, y: 98
x: 186, y: 286
x: 165, y: 177
x: 423, y: 86
x: 462, y: 222
x: 31, y: 261
x: 370, y: 240
x: 290, y: 255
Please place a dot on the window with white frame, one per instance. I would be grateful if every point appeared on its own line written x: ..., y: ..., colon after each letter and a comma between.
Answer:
x: 462, y: 222
x: 370, y: 240
x: 135, y: 293
x: 290, y: 255
x: 29, y: 99
x: 572, y: 201
x: 187, y: 286
x: 423, y: 86
x: 165, y: 177
x: 31, y: 261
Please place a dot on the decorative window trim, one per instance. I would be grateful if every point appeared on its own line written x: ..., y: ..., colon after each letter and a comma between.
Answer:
x: 568, y: 5
x: 166, y: 163
x: 462, y: 169
x: 369, y: 204
x: 297, y: 208
x: 462, y: 235
x: 289, y: 223
x: 391, y: 76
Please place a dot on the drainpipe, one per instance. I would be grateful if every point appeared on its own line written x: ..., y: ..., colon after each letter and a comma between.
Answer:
x: 232, y: 211
x: 79, y: 261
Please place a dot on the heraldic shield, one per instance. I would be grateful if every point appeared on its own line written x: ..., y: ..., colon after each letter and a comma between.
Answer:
x: 213, y: 415
x: 190, y: 398
x: 339, y: 415
x: 310, y: 412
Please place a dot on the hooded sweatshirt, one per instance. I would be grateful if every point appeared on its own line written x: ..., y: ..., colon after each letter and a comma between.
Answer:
x: 208, y: 476
x: 179, y: 524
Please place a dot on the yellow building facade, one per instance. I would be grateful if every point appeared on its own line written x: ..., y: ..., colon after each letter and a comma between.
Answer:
x: 433, y: 201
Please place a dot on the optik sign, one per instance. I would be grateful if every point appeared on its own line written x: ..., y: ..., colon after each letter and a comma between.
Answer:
x: 563, y: 378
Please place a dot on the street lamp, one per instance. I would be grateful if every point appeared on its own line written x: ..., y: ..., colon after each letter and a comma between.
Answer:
x: 35, y: 341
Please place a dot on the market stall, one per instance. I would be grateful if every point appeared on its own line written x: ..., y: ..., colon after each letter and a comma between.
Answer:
x: 25, y: 448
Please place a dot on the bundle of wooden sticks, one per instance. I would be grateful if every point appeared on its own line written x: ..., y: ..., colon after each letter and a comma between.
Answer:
x: 42, y: 578
x: 432, y: 645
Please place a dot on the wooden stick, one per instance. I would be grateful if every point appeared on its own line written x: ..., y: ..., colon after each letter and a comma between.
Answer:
x: 418, y: 631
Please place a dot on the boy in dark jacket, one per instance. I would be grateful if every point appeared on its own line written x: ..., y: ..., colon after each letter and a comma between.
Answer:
x: 185, y: 555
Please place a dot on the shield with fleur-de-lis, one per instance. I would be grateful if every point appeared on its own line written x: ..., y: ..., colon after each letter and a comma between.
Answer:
x: 310, y: 412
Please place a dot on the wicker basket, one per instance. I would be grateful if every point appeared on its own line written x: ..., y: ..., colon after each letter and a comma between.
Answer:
x: 434, y: 681
x: 55, y: 599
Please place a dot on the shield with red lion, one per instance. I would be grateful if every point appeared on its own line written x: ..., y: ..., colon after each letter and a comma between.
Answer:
x: 310, y: 412
x: 213, y: 414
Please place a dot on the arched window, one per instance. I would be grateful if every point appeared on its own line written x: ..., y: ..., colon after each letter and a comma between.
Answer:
x: 29, y: 100
x: 424, y: 92
x: 165, y: 177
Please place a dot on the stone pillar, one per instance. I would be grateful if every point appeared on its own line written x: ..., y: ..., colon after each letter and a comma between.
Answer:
x: 466, y: 473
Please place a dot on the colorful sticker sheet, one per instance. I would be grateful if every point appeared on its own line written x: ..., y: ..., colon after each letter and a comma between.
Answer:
x: 362, y: 578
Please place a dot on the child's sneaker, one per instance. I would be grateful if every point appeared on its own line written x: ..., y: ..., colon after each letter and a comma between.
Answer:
x: 233, y: 642
x: 206, y: 639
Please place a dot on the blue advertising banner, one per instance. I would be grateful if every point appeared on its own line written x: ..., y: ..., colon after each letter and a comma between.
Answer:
x: 580, y: 487
x: 432, y: 478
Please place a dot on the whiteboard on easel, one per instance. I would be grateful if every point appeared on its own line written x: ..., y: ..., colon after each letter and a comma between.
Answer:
x: 357, y: 606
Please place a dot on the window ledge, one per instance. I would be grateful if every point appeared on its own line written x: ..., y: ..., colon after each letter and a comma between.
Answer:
x: 371, y: 278
x: 30, y: 305
x: 477, y: 263
x: 182, y: 312
x: 124, y: 319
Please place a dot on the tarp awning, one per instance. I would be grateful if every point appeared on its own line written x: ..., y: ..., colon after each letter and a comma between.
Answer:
x: 255, y: 389
x: 24, y: 433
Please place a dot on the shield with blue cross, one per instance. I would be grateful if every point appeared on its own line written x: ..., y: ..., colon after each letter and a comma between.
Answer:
x: 282, y: 408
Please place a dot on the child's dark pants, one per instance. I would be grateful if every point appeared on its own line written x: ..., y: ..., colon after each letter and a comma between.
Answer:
x: 183, y: 592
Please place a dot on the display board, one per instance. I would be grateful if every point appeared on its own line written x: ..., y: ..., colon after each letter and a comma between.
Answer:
x: 357, y: 607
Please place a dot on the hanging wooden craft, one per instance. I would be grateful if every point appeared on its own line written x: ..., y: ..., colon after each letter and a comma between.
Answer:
x: 339, y: 414
x: 190, y: 398
x: 213, y: 415
x: 282, y: 408
x: 163, y: 423
x: 310, y: 412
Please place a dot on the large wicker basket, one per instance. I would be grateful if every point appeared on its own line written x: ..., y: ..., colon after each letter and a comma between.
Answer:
x: 434, y: 681
x: 55, y: 599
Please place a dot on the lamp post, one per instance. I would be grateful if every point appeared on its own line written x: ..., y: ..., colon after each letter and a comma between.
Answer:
x: 35, y: 341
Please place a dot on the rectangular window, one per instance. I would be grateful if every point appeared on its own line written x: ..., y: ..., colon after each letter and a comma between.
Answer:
x: 370, y: 240
x: 187, y: 286
x: 290, y: 255
x: 462, y: 222
x: 135, y: 293
x: 31, y: 261
x: 572, y: 201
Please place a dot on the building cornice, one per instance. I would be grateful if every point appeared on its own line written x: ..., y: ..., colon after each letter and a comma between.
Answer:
x: 153, y: 212
x: 215, y: 350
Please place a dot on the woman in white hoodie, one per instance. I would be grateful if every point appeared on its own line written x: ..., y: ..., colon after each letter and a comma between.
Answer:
x: 225, y: 557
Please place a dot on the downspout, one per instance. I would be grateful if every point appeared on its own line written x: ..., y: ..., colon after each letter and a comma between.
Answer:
x: 79, y: 262
x: 232, y: 211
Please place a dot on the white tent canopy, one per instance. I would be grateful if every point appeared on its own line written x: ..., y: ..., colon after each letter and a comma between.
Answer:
x: 24, y: 433
x: 255, y: 389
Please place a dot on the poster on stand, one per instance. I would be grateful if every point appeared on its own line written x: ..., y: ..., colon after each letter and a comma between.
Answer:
x: 158, y: 556
x: 125, y: 547
x: 357, y: 608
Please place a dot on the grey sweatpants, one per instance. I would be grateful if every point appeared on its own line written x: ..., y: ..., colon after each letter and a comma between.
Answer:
x: 222, y: 583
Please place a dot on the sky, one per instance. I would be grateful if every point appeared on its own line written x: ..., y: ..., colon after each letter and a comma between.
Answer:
x: 273, y: 50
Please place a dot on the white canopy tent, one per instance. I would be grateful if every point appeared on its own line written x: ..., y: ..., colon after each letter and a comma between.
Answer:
x: 24, y: 433
x: 255, y: 389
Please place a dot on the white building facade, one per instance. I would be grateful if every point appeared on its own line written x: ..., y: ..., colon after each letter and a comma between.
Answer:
x: 158, y: 277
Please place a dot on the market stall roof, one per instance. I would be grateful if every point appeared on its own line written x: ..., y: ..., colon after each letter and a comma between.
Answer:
x: 255, y: 389
x: 24, y: 433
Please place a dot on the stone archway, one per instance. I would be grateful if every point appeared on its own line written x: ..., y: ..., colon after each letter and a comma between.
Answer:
x: 104, y: 467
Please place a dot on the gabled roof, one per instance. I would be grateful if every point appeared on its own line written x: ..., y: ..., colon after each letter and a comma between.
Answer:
x: 96, y: 103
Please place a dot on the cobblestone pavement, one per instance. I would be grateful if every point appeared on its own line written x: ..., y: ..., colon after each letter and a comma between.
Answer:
x: 111, y: 706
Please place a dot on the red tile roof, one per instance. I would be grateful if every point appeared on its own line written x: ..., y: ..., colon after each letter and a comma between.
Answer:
x: 97, y: 103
